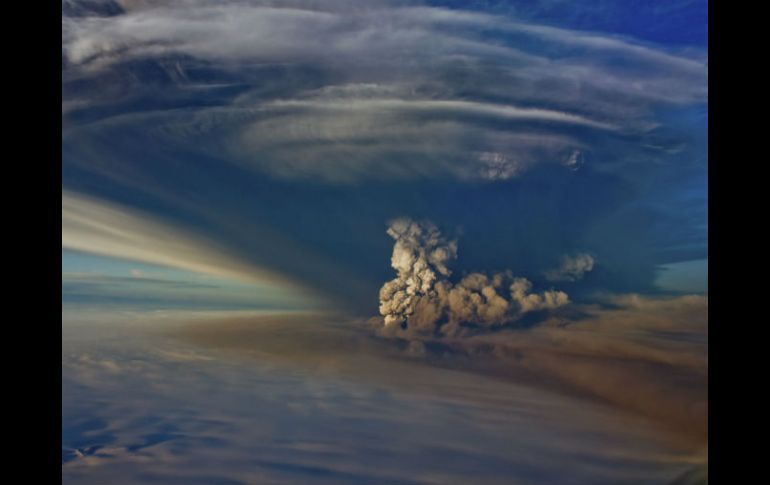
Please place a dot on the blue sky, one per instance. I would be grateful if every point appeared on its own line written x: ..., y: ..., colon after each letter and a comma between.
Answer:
x: 275, y: 141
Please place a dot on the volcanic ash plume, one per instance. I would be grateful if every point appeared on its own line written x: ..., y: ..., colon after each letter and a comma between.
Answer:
x: 422, y: 301
x: 572, y: 268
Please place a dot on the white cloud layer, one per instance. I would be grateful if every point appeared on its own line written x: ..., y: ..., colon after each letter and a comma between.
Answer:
x: 94, y: 226
x: 382, y: 89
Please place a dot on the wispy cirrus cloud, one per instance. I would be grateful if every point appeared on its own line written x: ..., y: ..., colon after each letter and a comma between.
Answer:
x: 452, y: 87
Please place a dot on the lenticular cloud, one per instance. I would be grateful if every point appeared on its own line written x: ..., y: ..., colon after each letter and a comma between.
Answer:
x: 422, y: 301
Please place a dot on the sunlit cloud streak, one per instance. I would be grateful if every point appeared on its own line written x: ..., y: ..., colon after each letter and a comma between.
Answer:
x: 103, y: 228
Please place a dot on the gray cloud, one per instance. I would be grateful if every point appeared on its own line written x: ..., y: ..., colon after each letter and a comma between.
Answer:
x: 659, y: 344
x: 383, y: 90
x: 572, y: 268
x: 407, y: 110
x: 169, y: 400
x: 422, y: 301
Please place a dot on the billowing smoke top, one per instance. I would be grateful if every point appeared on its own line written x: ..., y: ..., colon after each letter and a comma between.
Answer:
x: 421, y: 301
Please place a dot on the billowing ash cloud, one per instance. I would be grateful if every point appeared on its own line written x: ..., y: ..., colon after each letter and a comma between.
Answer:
x: 572, y: 268
x: 422, y: 301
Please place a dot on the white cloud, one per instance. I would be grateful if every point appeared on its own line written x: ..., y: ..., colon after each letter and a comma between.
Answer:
x: 98, y: 227
x: 400, y: 92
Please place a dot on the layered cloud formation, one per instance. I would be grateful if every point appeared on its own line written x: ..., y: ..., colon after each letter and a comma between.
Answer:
x: 288, y: 132
x: 658, y: 344
x: 100, y: 227
x: 268, y: 142
x: 386, y: 89
x: 421, y: 300
x: 94, y: 226
x: 288, y: 399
